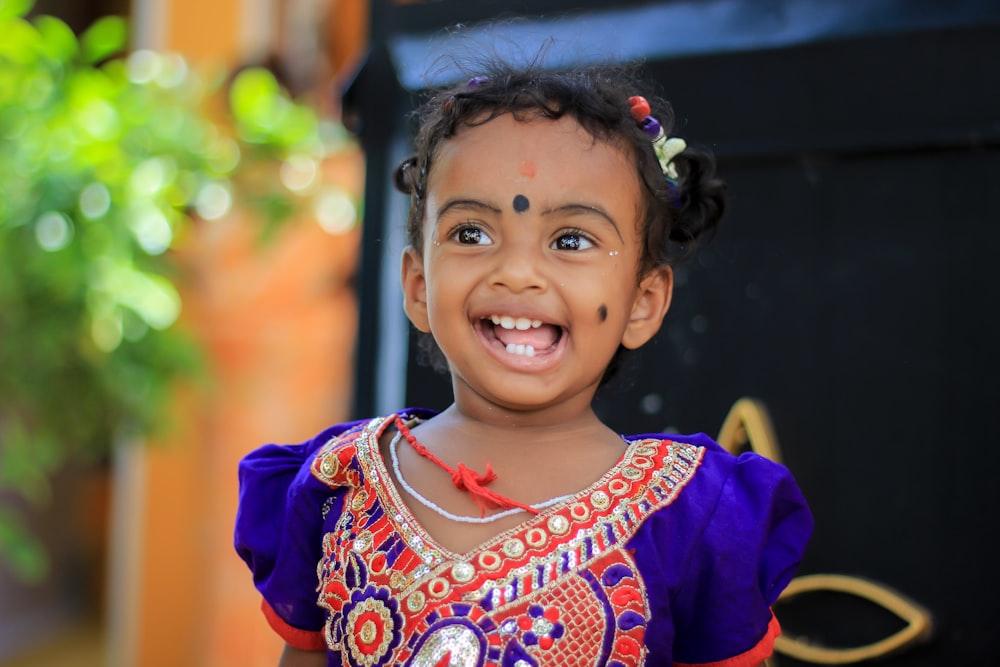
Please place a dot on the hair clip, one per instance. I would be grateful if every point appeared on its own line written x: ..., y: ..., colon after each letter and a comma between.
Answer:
x: 475, y: 81
x: 666, y: 148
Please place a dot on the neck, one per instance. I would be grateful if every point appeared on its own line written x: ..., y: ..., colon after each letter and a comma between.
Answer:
x: 567, y: 413
x: 530, y: 428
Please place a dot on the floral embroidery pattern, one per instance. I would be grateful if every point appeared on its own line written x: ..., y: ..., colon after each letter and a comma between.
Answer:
x: 371, y: 624
x: 562, y: 590
x: 540, y: 626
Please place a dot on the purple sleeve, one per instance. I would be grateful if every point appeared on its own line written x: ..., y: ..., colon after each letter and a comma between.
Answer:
x: 717, y: 558
x: 750, y: 548
x: 279, y: 529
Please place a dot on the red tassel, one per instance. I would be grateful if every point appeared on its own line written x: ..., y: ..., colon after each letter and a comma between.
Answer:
x: 467, y: 479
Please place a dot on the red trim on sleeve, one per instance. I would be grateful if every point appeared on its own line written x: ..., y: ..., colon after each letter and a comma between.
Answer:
x: 306, y: 640
x: 755, y: 656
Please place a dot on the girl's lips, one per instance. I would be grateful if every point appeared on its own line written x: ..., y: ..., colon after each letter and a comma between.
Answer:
x: 528, y: 349
x: 520, y: 334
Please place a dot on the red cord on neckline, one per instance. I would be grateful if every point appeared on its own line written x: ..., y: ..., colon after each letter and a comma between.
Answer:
x: 467, y: 479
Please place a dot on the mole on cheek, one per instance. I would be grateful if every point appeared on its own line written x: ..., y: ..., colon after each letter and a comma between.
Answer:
x: 602, y: 312
x: 521, y: 203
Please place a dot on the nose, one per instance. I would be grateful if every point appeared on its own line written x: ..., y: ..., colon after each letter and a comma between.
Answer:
x: 519, y: 266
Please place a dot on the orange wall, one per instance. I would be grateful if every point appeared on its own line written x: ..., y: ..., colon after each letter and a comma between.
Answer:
x: 278, y: 323
x: 206, y: 30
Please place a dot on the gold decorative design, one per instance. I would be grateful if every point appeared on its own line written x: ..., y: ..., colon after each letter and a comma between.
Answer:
x: 748, y: 423
x: 918, y: 620
x: 513, y: 547
x: 536, y: 538
x: 416, y: 601
x: 490, y: 560
x: 558, y: 524
x: 463, y: 572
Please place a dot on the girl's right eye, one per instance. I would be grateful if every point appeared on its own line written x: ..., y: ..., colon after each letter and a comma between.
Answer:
x: 471, y: 235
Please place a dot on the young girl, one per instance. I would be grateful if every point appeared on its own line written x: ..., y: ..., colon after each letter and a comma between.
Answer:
x: 514, y: 528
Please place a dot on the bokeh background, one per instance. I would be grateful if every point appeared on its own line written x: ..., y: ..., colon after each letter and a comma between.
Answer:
x: 198, y: 255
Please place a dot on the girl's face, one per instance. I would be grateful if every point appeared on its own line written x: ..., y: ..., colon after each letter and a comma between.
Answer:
x: 528, y: 278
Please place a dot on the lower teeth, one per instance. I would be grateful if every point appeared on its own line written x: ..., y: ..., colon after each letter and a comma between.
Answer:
x: 524, y: 350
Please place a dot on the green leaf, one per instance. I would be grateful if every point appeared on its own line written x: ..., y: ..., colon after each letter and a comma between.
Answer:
x: 23, y: 553
x: 255, y: 97
x: 104, y: 38
x: 58, y: 40
x: 14, y: 8
x: 105, y: 162
x: 20, y: 43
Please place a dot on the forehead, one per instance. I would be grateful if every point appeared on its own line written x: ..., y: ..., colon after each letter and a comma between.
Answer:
x: 540, y: 152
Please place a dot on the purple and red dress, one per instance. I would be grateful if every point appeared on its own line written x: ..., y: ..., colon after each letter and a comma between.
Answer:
x: 674, y: 557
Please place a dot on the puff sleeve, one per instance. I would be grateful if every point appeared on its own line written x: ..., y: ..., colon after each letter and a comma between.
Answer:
x: 745, y: 525
x: 279, y: 533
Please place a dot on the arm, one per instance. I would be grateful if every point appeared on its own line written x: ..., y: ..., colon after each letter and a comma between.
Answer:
x: 294, y: 657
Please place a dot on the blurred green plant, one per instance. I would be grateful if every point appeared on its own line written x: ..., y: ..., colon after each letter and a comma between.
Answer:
x: 106, y: 158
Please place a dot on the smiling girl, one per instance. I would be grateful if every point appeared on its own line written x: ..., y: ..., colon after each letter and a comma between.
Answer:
x: 515, y: 528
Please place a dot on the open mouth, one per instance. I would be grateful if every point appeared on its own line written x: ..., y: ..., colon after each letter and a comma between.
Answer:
x: 521, y: 335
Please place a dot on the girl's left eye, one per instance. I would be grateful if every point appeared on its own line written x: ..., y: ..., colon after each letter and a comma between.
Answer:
x: 471, y: 235
x: 572, y: 241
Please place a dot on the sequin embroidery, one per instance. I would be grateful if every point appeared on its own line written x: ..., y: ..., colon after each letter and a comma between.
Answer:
x: 562, y: 590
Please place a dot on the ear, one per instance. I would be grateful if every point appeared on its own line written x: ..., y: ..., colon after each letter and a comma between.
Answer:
x: 414, y: 284
x: 652, y: 300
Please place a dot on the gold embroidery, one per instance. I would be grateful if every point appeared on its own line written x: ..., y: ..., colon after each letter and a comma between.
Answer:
x: 358, y: 501
x: 513, y: 547
x: 330, y: 466
x: 631, y: 473
x: 463, y: 572
x: 438, y: 587
x: 422, y: 577
x: 415, y: 602
x: 600, y: 500
x: 558, y: 524
x: 536, y: 537
x: 363, y: 542
x: 489, y: 560
x: 619, y: 487
x: 579, y: 511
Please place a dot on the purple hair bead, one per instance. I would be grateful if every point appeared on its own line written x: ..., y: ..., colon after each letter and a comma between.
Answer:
x: 475, y: 81
x: 650, y: 126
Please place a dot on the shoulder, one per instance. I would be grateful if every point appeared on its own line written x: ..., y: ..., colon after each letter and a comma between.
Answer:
x: 326, y: 457
x: 342, y: 455
x: 717, y: 471
x: 726, y: 502
x: 716, y: 558
x: 346, y: 456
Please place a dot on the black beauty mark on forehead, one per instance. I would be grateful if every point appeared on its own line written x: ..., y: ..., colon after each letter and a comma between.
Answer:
x: 602, y: 312
x: 521, y: 203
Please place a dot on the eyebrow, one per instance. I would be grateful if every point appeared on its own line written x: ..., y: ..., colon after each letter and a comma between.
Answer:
x: 466, y: 205
x: 575, y: 209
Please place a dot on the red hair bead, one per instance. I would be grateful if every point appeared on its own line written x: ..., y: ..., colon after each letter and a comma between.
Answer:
x: 640, y: 107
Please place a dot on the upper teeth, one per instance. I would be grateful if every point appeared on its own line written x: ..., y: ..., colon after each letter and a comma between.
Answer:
x: 521, y: 323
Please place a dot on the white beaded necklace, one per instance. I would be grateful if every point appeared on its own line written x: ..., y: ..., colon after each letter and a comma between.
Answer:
x: 393, y: 444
